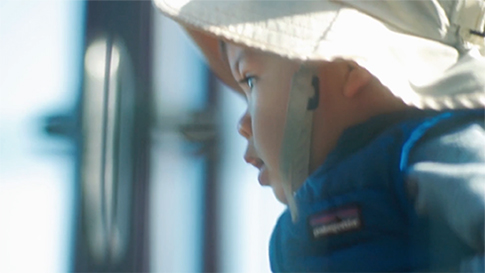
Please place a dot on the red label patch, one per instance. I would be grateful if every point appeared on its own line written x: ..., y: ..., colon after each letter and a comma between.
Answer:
x: 335, y: 221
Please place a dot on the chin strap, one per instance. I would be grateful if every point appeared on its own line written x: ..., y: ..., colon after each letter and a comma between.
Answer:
x: 296, y: 145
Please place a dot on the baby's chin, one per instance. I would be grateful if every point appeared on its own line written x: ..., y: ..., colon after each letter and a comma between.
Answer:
x: 279, y: 194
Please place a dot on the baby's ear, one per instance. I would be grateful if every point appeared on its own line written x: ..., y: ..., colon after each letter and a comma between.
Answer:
x: 358, y: 78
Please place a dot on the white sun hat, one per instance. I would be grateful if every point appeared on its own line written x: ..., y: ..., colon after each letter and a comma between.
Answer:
x: 428, y: 53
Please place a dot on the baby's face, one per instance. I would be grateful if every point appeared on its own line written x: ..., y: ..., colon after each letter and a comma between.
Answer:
x: 266, y: 82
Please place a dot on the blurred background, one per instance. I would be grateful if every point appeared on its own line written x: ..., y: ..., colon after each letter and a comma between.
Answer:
x: 118, y: 148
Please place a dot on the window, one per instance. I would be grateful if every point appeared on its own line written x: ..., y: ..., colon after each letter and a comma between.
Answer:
x: 40, y: 56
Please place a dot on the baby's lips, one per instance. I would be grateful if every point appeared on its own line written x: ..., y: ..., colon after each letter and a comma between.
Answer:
x: 256, y: 162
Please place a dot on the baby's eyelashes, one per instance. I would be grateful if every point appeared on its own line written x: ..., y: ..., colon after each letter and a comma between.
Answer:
x: 248, y: 81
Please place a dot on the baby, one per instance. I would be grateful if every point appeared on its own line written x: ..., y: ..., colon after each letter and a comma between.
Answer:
x: 379, y: 173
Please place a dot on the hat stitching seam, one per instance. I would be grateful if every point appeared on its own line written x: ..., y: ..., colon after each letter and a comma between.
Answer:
x: 255, y: 24
x: 253, y: 41
x: 324, y: 34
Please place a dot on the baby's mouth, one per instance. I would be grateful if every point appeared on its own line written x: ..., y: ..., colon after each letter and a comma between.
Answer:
x: 256, y: 162
x: 263, y: 172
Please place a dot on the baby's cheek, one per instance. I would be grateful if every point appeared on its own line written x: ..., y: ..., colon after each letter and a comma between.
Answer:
x: 268, y: 135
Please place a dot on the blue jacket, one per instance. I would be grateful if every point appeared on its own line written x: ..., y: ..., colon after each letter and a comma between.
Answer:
x: 355, y: 214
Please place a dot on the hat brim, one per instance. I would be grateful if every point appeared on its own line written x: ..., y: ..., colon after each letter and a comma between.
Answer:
x: 210, y: 47
x: 325, y: 30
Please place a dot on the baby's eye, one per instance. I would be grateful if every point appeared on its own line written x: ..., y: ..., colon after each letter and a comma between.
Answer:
x: 249, y: 81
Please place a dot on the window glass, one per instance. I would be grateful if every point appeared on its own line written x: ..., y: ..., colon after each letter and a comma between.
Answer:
x: 39, y: 59
x: 177, y: 172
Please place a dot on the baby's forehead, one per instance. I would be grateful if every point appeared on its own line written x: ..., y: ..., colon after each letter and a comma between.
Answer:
x: 230, y: 48
x: 231, y: 51
x: 235, y: 52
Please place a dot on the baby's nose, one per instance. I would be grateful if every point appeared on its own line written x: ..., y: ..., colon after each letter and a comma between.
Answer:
x: 244, y: 126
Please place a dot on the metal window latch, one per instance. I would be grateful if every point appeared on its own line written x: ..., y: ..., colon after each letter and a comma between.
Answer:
x: 197, y: 128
